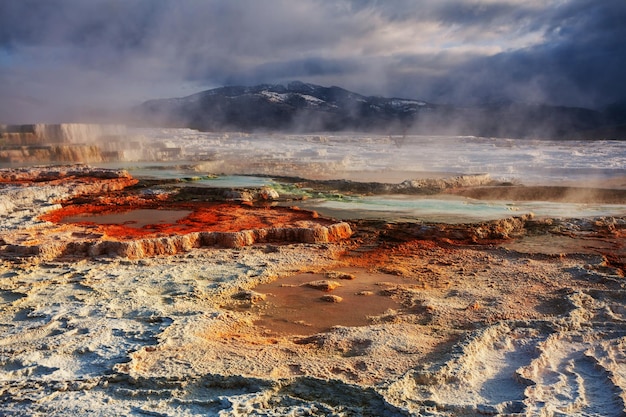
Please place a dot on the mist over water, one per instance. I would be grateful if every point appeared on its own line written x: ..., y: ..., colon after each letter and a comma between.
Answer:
x: 237, y: 159
x: 386, y: 158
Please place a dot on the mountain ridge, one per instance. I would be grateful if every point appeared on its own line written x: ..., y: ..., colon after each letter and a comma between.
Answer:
x: 304, y: 107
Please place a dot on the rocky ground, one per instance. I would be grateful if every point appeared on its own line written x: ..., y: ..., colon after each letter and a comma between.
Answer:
x: 521, y: 316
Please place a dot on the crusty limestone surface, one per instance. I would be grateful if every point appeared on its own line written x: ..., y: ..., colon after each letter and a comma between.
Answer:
x: 518, y: 317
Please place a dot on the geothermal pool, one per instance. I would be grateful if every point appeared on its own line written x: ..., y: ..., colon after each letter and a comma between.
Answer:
x: 439, y: 208
x: 137, y: 218
x: 453, y: 209
x: 257, y: 160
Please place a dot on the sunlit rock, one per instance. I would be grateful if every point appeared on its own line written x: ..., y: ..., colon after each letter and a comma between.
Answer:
x: 323, y: 285
x: 268, y: 193
x: 330, y: 298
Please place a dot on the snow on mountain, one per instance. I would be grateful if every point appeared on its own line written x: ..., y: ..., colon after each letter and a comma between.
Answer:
x: 275, y: 97
x: 403, y: 103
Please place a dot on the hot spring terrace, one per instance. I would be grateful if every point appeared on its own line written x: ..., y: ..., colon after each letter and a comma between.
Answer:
x: 200, y: 294
x: 82, y: 211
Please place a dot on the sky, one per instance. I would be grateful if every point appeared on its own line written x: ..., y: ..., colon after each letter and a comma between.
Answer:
x: 75, y: 60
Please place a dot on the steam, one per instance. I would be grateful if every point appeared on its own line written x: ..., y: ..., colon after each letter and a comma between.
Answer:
x: 68, y: 60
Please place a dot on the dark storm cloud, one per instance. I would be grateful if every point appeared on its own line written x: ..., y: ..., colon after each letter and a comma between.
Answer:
x: 578, y: 59
x: 588, y: 48
x: 580, y: 62
x: 59, y: 58
x: 90, y: 27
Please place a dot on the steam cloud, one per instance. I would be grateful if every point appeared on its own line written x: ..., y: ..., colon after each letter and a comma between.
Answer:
x: 68, y: 60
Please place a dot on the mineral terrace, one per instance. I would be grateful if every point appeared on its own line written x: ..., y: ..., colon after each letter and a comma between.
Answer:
x: 127, y: 297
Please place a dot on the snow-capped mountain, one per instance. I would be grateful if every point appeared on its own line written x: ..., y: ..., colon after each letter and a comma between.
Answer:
x: 302, y: 107
x: 297, y: 106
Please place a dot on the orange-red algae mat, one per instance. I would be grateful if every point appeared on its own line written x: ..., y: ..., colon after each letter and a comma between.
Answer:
x: 211, y: 217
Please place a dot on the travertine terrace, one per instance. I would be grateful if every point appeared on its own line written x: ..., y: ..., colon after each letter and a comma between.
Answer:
x: 91, y: 194
x: 518, y: 316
